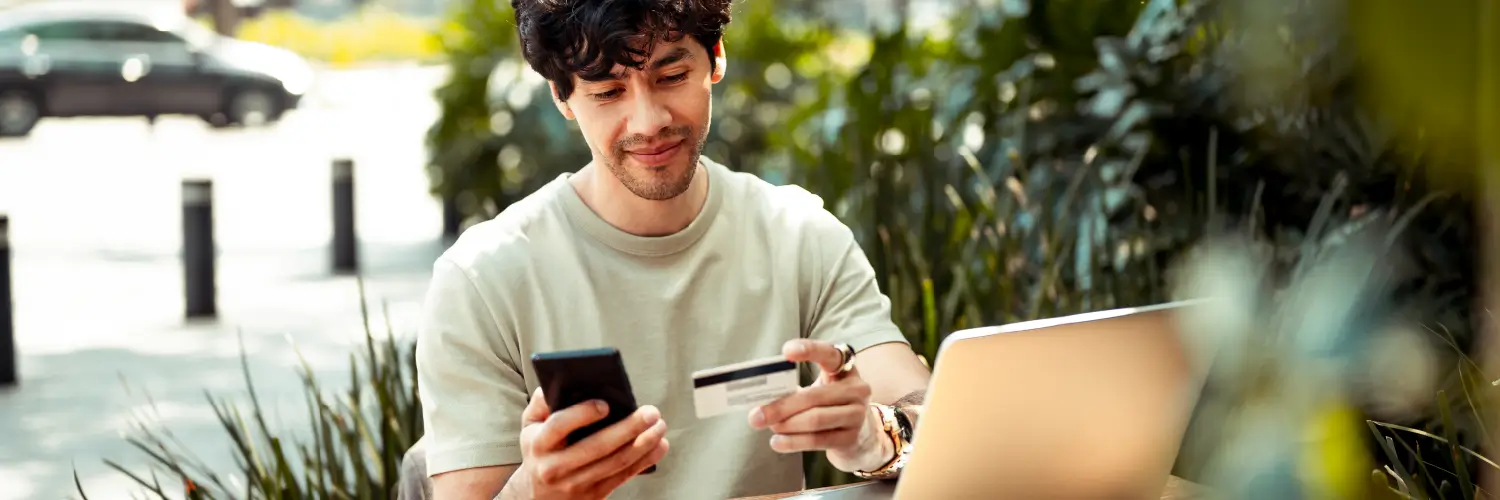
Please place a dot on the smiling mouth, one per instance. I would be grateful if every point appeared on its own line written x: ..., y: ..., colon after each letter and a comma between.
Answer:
x: 655, y: 156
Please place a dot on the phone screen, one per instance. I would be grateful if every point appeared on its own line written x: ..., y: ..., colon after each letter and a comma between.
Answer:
x: 572, y: 377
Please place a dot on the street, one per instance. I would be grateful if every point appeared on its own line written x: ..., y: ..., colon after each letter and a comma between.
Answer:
x: 95, y: 213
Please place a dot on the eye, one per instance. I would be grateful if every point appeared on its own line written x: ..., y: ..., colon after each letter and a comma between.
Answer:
x: 675, y: 78
x: 607, y: 95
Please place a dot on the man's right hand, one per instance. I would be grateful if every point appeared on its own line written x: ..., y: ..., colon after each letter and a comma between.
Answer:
x: 591, y: 468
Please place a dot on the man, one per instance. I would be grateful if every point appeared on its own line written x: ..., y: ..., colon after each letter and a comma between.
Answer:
x: 674, y: 259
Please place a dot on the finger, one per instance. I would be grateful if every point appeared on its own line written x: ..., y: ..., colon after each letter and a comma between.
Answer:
x: 652, y: 458
x: 825, y: 418
x: 813, y: 441
x: 554, y: 434
x: 536, y: 410
x: 610, y: 439
x: 621, y: 461
x: 824, y: 354
x: 842, y: 392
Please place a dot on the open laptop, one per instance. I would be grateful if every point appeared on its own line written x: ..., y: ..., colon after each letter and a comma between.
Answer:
x: 1086, y: 406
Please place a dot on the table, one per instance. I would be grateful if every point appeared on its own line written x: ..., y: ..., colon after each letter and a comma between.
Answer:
x: 1177, y: 489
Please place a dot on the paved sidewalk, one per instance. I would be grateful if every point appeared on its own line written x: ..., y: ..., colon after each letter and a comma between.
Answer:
x: 95, y: 217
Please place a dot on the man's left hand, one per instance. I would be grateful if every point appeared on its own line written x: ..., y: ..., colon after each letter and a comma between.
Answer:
x: 833, y: 414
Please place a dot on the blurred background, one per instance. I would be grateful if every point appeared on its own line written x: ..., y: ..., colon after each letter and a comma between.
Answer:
x: 1322, y: 164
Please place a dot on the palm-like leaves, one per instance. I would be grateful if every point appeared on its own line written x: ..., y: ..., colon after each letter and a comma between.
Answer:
x: 354, y: 450
x: 1031, y: 160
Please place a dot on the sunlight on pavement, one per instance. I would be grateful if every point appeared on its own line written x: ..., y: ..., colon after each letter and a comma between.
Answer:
x: 96, y: 225
x: 17, y: 479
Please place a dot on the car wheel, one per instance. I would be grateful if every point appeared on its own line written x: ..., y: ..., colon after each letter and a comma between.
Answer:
x: 216, y: 120
x: 19, y: 112
x: 253, y: 107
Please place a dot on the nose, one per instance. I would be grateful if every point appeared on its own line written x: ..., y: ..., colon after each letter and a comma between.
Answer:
x: 649, y: 116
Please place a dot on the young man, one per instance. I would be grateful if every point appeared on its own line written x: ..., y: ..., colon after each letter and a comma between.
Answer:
x: 674, y: 259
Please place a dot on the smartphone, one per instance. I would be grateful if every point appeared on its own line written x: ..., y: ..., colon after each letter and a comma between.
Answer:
x: 576, y: 376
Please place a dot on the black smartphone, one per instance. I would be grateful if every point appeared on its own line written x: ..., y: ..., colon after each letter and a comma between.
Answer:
x: 576, y: 376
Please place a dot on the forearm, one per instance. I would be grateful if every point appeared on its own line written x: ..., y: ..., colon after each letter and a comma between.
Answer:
x: 512, y: 488
x: 911, y: 404
x: 476, y: 483
x: 509, y: 492
x: 878, y: 449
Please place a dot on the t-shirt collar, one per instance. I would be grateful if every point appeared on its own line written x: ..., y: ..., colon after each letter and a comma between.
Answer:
x: 647, y: 246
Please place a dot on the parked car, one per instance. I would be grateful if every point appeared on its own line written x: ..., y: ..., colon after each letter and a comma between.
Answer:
x: 125, y: 59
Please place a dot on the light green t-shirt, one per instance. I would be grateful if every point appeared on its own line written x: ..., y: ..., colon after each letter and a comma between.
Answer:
x: 760, y: 265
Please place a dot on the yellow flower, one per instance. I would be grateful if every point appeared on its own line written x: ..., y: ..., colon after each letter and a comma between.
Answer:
x: 1335, y: 462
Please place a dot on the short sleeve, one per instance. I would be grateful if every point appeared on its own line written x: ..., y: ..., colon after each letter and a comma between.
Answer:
x: 472, y: 391
x: 850, y: 307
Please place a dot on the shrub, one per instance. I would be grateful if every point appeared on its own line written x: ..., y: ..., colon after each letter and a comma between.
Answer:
x: 354, y: 450
x: 1033, y: 159
x: 1028, y: 160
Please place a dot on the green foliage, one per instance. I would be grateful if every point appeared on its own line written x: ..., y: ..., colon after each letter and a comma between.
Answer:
x: 1021, y: 160
x: 1034, y: 159
x: 354, y: 450
x: 487, y: 105
x: 1304, y: 149
x: 967, y: 175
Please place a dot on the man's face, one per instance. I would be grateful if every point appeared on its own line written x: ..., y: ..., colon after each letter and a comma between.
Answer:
x: 648, y: 125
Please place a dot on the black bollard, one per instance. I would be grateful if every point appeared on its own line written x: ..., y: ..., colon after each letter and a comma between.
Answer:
x: 452, y: 219
x: 9, y: 375
x: 198, y: 248
x: 345, y: 255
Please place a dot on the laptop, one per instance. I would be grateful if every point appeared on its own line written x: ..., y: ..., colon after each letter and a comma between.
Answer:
x: 1092, y: 405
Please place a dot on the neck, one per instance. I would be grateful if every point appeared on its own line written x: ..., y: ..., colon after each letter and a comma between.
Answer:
x: 606, y: 196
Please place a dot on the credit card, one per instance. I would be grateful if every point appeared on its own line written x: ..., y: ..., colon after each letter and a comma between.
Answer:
x: 741, y: 386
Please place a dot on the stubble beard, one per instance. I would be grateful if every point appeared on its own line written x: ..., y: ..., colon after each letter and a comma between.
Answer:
x: 651, y: 189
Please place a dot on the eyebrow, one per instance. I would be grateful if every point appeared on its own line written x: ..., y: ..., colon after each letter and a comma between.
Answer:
x: 676, y: 55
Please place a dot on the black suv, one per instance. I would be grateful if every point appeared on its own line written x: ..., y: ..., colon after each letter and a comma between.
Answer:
x: 120, y: 59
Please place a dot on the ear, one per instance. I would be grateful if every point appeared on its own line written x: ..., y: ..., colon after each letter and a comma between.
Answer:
x: 720, y: 63
x: 562, y: 106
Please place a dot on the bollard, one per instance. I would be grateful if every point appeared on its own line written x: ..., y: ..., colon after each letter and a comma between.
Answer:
x: 345, y: 253
x: 198, y: 248
x: 9, y: 375
x: 452, y: 219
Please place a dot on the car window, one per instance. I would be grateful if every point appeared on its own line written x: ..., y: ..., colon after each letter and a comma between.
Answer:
x: 59, y: 31
x: 101, y: 31
x: 129, y: 32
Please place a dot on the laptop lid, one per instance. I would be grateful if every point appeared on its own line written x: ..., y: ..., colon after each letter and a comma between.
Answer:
x: 1086, y: 406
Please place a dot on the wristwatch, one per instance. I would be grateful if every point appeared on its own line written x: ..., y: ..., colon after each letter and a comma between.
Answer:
x: 895, y: 425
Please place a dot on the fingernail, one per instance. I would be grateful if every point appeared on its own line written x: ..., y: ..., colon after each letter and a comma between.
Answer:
x: 799, y: 348
x: 757, y: 418
x: 601, y: 407
x: 776, y: 441
x: 650, y: 414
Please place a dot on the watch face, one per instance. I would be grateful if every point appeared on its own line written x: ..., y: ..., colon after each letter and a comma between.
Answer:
x: 903, y: 425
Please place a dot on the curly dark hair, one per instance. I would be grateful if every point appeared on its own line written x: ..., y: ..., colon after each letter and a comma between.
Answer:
x: 587, y: 38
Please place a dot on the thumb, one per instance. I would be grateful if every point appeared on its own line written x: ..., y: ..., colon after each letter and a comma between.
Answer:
x: 821, y: 353
x: 537, y: 410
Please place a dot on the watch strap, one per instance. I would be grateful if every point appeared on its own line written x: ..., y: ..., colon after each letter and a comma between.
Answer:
x: 898, y: 429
